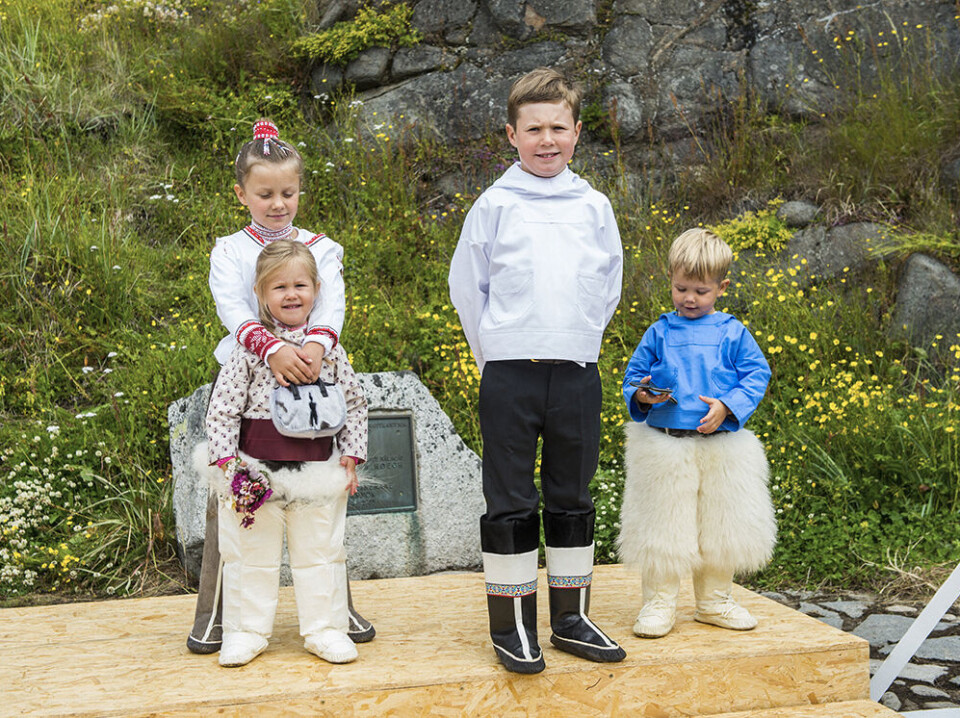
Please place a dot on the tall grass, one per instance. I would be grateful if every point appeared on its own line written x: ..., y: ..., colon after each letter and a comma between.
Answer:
x: 115, y: 178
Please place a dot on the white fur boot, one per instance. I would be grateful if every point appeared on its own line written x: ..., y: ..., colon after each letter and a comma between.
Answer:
x: 659, y: 611
x: 715, y: 604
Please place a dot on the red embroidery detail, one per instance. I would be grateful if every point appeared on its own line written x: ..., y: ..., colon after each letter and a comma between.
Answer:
x: 318, y: 331
x: 258, y: 340
x: 252, y: 233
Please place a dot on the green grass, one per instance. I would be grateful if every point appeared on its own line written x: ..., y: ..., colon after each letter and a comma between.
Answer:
x: 116, y: 178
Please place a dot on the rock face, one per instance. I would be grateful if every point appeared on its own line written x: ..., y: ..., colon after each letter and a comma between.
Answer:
x: 663, y: 65
x: 928, y: 303
x: 443, y: 533
x: 834, y: 252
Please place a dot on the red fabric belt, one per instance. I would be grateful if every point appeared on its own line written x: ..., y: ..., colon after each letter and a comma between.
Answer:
x: 260, y: 439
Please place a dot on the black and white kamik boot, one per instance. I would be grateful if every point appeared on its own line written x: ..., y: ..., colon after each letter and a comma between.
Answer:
x: 510, y: 571
x: 569, y: 574
x: 359, y: 628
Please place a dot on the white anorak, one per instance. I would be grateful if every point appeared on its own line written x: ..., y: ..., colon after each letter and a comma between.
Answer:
x: 233, y: 263
x: 538, y: 269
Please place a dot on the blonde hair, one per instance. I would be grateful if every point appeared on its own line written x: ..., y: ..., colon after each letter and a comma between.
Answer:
x: 542, y: 85
x: 271, y: 150
x: 701, y: 255
x: 274, y: 257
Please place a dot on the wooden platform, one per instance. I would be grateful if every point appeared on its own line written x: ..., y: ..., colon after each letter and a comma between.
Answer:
x: 431, y: 657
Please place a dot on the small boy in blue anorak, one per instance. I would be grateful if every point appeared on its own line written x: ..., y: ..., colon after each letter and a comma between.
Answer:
x: 695, y: 498
x: 535, y: 279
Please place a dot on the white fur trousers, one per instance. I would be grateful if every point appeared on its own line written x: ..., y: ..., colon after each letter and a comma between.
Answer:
x: 695, y: 502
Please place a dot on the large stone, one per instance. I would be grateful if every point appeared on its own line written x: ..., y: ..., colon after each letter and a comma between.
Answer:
x: 690, y: 81
x: 442, y: 533
x: 462, y: 103
x: 929, y: 692
x: 882, y: 630
x: 186, y: 418
x: 854, y: 609
x: 575, y: 16
x: 410, y: 61
x: 541, y: 54
x: 446, y: 19
x: 369, y: 68
x: 629, y: 110
x: 797, y: 213
x: 786, y: 74
x: 925, y: 673
x: 509, y: 15
x: 928, y: 303
x: 628, y: 45
x: 674, y: 12
x: 838, y: 251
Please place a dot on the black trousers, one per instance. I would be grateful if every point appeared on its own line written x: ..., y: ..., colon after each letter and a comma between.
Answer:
x: 521, y: 400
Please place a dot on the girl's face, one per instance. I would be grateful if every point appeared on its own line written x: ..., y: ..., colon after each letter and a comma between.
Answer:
x: 272, y: 193
x: 289, y: 293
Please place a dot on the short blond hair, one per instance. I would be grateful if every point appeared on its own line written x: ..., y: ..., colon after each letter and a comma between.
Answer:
x: 275, y: 256
x: 701, y: 255
x: 542, y: 85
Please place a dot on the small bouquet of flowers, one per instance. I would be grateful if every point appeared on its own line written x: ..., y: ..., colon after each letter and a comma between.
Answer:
x: 250, y: 489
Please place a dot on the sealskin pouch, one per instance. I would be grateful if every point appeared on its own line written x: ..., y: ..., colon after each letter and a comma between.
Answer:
x: 308, y: 411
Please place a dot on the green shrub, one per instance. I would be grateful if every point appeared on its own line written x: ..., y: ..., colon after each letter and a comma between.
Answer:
x: 386, y: 26
x: 759, y: 232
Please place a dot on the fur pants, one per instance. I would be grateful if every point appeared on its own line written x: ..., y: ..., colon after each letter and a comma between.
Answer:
x: 695, y: 502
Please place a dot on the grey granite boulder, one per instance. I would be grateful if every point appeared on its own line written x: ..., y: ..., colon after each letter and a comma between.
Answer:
x: 369, y: 68
x: 410, y: 61
x: 628, y: 45
x: 447, y: 20
x: 572, y: 16
x: 838, y: 251
x: 461, y: 103
x: 797, y: 213
x: 928, y: 303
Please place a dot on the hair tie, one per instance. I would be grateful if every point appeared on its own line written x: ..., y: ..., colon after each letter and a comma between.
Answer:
x: 266, y: 131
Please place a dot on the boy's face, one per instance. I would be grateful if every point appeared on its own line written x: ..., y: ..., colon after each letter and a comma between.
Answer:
x: 272, y: 193
x: 694, y: 298
x: 545, y: 137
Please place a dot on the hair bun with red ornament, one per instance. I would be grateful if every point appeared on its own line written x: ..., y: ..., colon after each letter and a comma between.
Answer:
x: 265, y: 129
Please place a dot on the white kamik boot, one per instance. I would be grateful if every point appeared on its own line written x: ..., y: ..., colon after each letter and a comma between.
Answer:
x: 715, y: 604
x: 659, y: 611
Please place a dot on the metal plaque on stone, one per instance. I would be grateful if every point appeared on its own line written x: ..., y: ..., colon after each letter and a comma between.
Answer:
x: 388, y: 479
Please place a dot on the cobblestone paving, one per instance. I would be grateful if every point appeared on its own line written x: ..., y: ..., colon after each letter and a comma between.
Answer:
x: 932, y: 677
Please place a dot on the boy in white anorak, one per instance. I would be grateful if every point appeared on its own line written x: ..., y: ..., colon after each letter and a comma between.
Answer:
x: 535, y: 278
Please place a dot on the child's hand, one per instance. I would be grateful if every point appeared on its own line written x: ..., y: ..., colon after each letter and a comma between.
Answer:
x: 350, y: 465
x: 290, y: 365
x: 315, y: 351
x: 715, y: 416
x: 233, y: 466
x: 645, y: 397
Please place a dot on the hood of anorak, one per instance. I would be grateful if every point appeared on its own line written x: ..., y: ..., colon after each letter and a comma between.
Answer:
x: 565, y: 185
